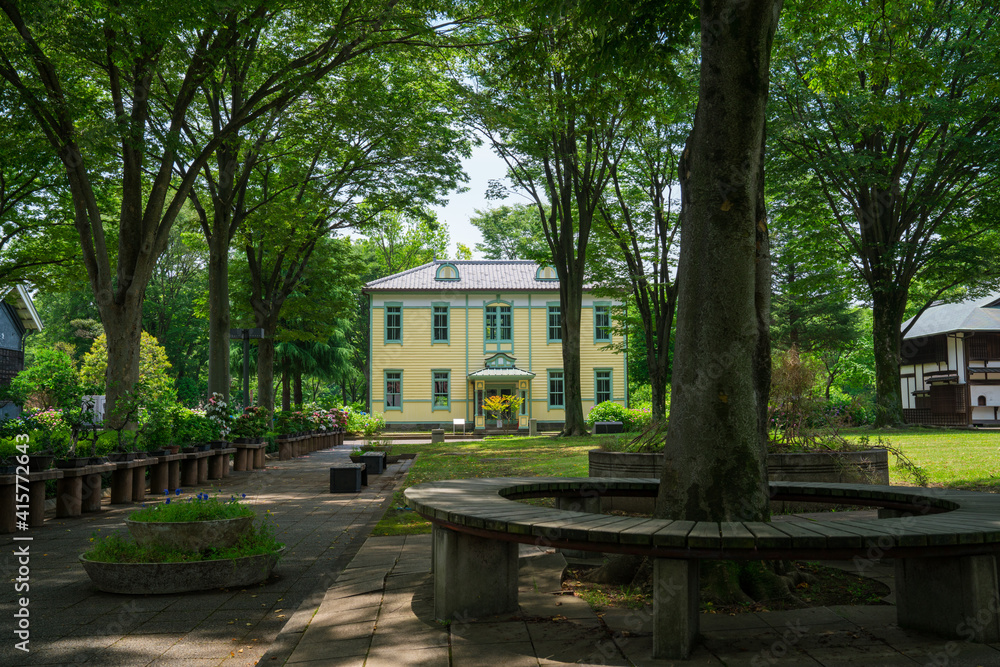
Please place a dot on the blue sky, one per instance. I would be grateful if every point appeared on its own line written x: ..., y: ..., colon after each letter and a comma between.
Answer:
x: 482, y: 167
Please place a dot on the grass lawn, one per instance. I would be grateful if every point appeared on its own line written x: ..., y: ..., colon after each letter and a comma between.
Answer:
x: 491, y: 457
x: 965, y: 459
x: 954, y: 458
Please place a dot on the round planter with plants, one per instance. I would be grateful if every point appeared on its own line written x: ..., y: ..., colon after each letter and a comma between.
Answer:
x: 184, y: 545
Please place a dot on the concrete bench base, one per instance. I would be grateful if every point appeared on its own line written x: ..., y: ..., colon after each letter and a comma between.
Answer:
x: 944, y: 543
x: 949, y: 596
x: 473, y: 576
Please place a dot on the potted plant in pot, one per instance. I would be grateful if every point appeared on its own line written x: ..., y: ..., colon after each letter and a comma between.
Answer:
x: 157, y: 428
x: 183, y: 545
x: 127, y: 422
x: 191, y: 427
x: 502, y: 407
x: 219, y: 414
x: 50, y: 439
x: 85, y: 428
x: 252, y: 424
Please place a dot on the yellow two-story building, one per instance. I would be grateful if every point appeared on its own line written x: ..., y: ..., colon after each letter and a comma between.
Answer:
x: 448, y: 334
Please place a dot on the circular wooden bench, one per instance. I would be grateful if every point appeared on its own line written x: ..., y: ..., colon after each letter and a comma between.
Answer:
x: 944, y: 543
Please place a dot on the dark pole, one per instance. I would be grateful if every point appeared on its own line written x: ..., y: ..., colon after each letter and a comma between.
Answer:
x: 246, y: 368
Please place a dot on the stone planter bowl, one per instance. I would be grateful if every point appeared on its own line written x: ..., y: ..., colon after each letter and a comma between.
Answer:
x: 183, y: 577
x: 189, y: 535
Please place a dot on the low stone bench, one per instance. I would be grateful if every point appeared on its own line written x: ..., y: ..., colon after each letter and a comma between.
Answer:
x: 348, y: 477
x: 374, y: 461
x: 944, y: 543
x: 165, y: 473
x: 79, y: 489
x: 31, y: 484
x: 249, y: 456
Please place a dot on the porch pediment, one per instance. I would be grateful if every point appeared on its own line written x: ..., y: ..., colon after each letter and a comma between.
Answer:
x: 501, y: 374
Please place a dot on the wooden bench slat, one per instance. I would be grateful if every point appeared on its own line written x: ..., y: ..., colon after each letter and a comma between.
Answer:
x: 576, y: 529
x: 640, y: 531
x: 869, y: 534
x: 836, y: 537
x: 736, y: 536
x: 674, y: 535
x: 802, y: 536
x: 705, y: 535
x: 768, y: 535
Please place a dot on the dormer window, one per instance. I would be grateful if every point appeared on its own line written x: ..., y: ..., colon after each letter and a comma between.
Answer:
x: 546, y: 273
x: 447, y: 272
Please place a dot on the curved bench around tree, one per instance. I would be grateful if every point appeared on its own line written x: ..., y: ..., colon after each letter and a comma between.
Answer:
x: 944, y: 543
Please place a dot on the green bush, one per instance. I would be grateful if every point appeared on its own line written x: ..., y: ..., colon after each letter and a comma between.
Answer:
x: 633, y: 419
x: 364, y: 423
x: 191, y: 427
x: 51, y: 381
x: 608, y: 411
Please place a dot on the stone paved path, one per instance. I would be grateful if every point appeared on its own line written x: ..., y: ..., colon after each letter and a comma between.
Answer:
x: 74, y: 623
x: 380, y: 613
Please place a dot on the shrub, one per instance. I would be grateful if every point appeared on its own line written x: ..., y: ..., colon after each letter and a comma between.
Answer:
x: 364, y: 423
x: 633, y: 419
x: 608, y: 411
x: 253, y: 422
x: 153, y: 368
x: 51, y: 381
x: 190, y: 426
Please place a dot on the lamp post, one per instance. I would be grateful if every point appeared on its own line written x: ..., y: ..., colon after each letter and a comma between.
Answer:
x: 245, y: 335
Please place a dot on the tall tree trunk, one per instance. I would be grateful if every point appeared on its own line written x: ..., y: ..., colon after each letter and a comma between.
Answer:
x: 218, y: 309
x: 286, y: 387
x: 715, y: 452
x: 570, y: 307
x: 297, y: 378
x: 657, y: 334
x: 888, y: 306
x: 123, y: 328
x: 265, y: 371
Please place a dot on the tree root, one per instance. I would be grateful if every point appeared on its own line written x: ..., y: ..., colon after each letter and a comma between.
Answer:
x: 722, y: 582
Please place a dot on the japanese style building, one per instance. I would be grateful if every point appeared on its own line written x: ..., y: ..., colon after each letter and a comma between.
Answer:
x: 950, y: 367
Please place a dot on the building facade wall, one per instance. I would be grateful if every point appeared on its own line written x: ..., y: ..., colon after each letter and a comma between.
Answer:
x: 416, y: 356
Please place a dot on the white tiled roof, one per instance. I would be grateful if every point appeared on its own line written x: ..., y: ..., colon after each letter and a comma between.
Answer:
x: 979, y: 315
x: 475, y: 274
x: 501, y: 373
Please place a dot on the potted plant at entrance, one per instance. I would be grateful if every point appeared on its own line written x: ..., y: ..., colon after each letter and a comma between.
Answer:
x: 501, y: 407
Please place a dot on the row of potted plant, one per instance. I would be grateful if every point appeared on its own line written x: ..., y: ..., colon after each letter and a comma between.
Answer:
x: 72, y: 437
x: 309, y: 419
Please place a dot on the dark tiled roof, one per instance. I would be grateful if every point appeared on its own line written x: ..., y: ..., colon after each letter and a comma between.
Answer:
x: 475, y: 274
x: 976, y: 315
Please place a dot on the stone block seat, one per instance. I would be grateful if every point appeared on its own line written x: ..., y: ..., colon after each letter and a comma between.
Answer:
x: 24, y: 493
x: 944, y: 542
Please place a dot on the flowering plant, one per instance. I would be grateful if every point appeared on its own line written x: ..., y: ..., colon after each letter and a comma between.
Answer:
x: 202, y: 507
x: 219, y: 413
x: 253, y: 422
x: 51, y: 430
x: 338, y: 417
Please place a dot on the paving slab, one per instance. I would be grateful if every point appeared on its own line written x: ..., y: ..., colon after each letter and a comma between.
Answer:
x: 74, y: 623
x: 556, y: 629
